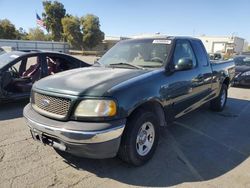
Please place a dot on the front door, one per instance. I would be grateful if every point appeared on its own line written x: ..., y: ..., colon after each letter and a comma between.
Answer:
x: 183, y: 86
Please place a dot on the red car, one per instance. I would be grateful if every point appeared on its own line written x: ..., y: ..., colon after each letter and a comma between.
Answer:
x: 19, y: 70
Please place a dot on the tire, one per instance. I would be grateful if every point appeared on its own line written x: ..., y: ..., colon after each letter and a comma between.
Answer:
x: 135, y: 148
x: 219, y: 102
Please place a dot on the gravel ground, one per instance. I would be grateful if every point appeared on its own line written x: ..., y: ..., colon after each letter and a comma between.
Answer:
x: 201, y: 149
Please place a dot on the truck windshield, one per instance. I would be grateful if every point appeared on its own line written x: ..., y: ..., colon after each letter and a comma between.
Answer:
x: 144, y: 53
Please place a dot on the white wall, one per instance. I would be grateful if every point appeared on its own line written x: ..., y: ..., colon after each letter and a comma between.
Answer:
x: 36, y: 45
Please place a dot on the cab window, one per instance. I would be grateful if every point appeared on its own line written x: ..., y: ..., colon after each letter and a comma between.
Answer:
x: 183, y: 49
x: 201, y: 53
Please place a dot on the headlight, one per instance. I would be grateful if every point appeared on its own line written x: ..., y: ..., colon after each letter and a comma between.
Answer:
x: 96, y: 108
x: 246, y: 73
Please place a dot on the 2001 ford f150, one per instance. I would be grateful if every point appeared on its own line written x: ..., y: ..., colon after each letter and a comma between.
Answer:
x: 116, y: 106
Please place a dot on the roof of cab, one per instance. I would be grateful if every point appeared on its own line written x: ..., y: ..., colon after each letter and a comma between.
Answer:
x: 155, y: 37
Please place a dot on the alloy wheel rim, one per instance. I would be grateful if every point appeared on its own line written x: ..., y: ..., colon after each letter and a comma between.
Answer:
x: 145, y: 139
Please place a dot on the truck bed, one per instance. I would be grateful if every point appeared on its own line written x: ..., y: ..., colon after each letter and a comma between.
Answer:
x: 224, y: 67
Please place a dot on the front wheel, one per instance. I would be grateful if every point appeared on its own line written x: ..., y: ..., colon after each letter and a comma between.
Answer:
x: 219, y: 102
x: 140, y: 138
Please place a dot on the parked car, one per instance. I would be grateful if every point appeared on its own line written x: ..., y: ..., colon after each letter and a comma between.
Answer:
x: 117, y: 106
x: 2, y: 51
x: 8, y: 48
x: 19, y: 70
x: 215, y: 56
x: 242, y: 69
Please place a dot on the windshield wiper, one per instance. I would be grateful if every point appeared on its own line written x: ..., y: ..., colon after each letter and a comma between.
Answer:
x: 152, y: 66
x: 126, y: 64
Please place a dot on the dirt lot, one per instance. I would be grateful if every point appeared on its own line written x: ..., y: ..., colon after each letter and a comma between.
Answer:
x: 202, y: 149
x: 87, y: 59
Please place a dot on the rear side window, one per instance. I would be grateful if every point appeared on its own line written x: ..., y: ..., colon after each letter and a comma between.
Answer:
x: 183, y: 49
x: 200, y: 53
x: 58, y: 64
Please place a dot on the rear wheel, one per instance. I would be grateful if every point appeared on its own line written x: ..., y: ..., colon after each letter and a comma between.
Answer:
x: 219, y: 102
x: 140, y: 138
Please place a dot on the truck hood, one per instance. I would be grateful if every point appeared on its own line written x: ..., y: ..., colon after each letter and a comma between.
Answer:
x: 92, y: 81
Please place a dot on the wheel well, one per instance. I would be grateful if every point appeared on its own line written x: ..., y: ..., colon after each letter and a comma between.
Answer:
x: 226, y: 81
x: 154, y: 107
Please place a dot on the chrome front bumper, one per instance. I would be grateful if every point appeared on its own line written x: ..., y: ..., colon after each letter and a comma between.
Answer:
x: 64, y: 130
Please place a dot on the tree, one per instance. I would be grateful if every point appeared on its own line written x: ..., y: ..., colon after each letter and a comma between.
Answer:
x: 52, y: 16
x: 7, y: 30
x: 36, y: 34
x: 72, y: 32
x: 92, y: 34
x: 22, y: 34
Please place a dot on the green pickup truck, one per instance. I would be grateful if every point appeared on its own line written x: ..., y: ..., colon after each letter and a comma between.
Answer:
x: 117, y: 106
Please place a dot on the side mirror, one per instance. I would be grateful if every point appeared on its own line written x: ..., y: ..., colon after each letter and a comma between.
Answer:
x: 184, y: 64
x: 97, y: 58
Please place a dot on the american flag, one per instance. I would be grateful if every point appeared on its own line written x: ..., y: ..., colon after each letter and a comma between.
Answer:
x: 40, y: 22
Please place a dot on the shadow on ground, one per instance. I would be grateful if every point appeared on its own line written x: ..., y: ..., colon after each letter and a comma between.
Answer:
x: 12, y: 110
x: 199, y: 146
x: 241, y: 86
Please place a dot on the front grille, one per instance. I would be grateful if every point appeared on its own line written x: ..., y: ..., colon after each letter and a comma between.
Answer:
x: 57, y: 107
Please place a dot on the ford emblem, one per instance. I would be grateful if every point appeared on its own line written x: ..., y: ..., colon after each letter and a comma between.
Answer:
x: 45, y: 102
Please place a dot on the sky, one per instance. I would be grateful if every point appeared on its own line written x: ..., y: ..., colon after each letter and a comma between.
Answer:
x: 135, y: 17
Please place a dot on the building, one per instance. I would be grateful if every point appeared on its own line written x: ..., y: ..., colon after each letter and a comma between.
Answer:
x: 226, y: 44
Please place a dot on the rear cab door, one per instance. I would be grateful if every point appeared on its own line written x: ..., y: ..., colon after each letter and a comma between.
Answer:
x: 205, y: 76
